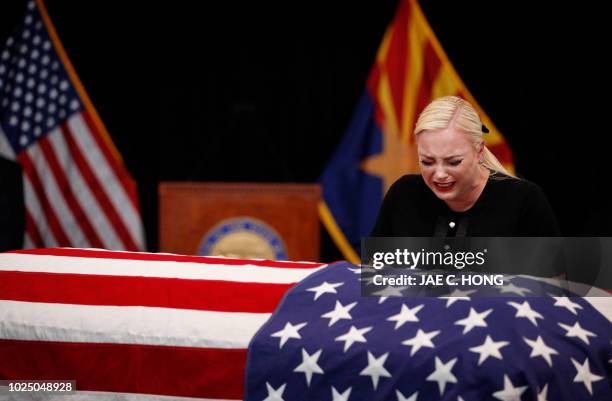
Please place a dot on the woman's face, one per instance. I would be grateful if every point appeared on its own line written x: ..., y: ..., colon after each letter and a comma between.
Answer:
x: 449, y: 162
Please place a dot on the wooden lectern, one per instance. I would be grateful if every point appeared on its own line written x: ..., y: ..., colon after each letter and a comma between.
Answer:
x: 268, y: 221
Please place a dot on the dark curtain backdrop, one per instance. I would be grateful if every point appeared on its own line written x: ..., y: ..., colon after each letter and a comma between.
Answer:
x: 263, y: 91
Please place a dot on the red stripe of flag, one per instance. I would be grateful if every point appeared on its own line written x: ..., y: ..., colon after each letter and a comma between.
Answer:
x: 432, y: 66
x: 397, y: 62
x: 502, y: 151
x: 82, y: 289
x: 54, y: 224
x: 128, y: 368
x: 92, y: 253
x: 96, y: 189
x: 66, y: 191
x: 120, y: 172
x: 372, y: 91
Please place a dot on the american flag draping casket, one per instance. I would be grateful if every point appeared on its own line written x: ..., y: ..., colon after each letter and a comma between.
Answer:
x: 123, y: 324
x: 528, y: 339
x: 140, y: 326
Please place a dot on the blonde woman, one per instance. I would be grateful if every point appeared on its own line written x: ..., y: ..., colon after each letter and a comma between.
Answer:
x: 463, y: 190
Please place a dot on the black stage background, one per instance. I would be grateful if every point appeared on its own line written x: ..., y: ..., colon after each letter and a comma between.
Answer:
x: 254, y: 91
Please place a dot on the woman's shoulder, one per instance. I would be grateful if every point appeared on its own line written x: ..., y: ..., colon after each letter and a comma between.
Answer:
x: 535, y: 214
x: 515, y: 187
x: 512, y: 184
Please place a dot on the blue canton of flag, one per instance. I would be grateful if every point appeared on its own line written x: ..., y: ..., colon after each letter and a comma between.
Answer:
x: 327, y: 342
x: 36, y: 91
x: 77, y: 191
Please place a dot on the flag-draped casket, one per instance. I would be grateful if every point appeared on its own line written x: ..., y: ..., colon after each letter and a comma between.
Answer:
x: 159, y: 326
x: 525, y: 338
x: 123, y: 323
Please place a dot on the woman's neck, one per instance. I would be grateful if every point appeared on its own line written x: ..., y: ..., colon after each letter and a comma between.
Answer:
x: 466, y: 202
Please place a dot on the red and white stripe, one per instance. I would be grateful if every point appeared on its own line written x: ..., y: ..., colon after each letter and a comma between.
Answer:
x: 76, y: 193
x: 6, y: 150
x: 136, y: 326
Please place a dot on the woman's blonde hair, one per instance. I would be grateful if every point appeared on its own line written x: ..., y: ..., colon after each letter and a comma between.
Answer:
x: 449, y: 111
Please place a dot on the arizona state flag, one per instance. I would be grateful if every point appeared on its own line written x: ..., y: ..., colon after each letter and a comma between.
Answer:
x: 410, y: 70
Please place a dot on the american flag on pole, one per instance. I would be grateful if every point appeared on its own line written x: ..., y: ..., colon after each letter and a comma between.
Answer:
x: 135, y: 326
x: 327, y: 342
x: 77, y: 190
